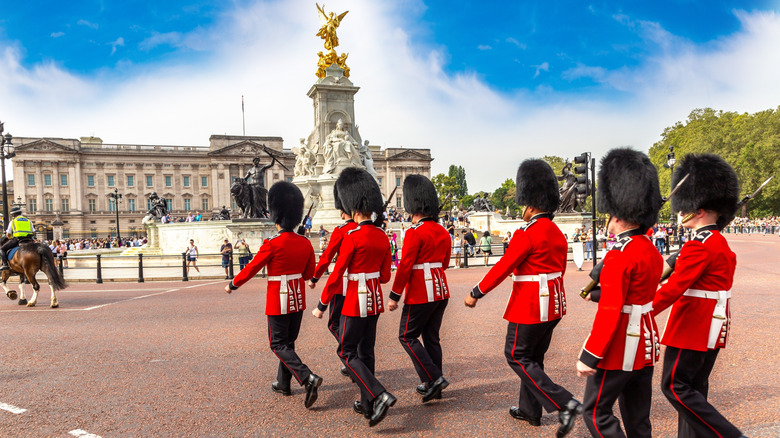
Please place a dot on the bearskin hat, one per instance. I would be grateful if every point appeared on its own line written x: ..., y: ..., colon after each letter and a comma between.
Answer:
x: 711, y: 185
x: 285, y: 202
x: 537, y: 186
x: 420, y: 196
x: 337, y: 200
x: 628, y: 187
x: 359, y: 192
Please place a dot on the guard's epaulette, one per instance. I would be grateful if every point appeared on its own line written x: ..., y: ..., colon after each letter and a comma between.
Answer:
x: 527, y: 225
x: 415, y: 226
x: 274, y: 236
x: 353, y: 230
x: 702, y: 236
x: 621, y: 244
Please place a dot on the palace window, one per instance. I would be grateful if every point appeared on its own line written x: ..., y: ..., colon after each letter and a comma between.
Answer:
x: 149, y: 180
x: 90, y: 180
x: 64, y: 180
x: 65, y: 204
x: 91, y: 205
x: 148, y: 204
x: 93, y: 232
x: 49, y: 204
x: 169, y: 204
x: 66, y: 234
x: 47, y: 179
x: 31, y: 180
x: 398, y: 181
x: 204, y: 204
x: 111, y: 204
x: 110, y: 180
x: 187, y: 204
x: 380, y: 181
x: 131, y: 205
x: 186, y: 181
x: 32, y: 205
x: 130, y: 180
x: 204, y: 181
x: 398, y: 201
x: 168, y: 181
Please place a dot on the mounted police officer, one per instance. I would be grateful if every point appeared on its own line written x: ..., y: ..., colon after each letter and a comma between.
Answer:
x: 20, y: 229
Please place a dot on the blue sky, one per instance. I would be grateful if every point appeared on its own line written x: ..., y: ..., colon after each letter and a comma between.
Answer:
x: 453, y: 75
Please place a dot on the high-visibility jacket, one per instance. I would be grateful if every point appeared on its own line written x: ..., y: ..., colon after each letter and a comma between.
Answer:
x: 21, y: 227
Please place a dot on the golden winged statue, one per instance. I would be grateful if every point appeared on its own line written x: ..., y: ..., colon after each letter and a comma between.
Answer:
x: 330, y: 22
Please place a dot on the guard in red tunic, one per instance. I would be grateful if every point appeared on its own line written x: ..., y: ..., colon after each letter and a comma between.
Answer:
x: 426, y: 254
x: 327, y: 256
x: 365, y: 257
x: 622, y: 348
x: 536, y: 256
x: 289, y: 258
x: 699, y: 291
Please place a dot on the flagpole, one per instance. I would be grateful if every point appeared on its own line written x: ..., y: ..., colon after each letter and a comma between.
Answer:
x: 243, y: 119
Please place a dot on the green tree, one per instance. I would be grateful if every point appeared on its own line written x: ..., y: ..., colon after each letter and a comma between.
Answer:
x: 555, y: 162
x: 446, y: 188
x: 504, y: 196
x: 459, y: 173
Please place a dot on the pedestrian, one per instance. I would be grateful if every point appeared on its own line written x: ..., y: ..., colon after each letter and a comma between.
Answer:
x: 192, y: 257
x: 450, y: 229
x: 537, y: 256
x: 326, y: 258
x: 244, y: 253
x: 699, y: 292
x: 290, y: 260
x: 470, y: 243
x: 227, y: 252
x: 307, y: 226
x: 457, y: 249
x: 507, y: 238
x: 393, y: 251
x: 365, y: 256
x: 423, y: 283
x: 622, y: 348
x: 485, y: 245
x: 660, y: 239
x: 62, y: 253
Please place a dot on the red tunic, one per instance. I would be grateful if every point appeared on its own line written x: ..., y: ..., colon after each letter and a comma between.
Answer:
x: 705, y: 263
x: 366, y: 250
x: 332, y: 249
x: 284, y: 254
x: 632, y: 270
x: 539, y: 247
x: 425, y: 242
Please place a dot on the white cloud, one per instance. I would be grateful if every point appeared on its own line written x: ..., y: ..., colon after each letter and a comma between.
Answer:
x: 484, y: 47
x: 57, y: 34
x: 520, y: 45
x: 545, y: 66
x: 118, y: 42
x: 86, y: 23
x: 267, y: 52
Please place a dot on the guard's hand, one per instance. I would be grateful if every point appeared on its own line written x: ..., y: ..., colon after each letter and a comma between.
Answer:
x: 587, y: 297
x: 470, y: 301
x: 312, y: 284
x: 584, y: 370
x: 392, y: 305
x: 317, y: 313
x: 228, y: 289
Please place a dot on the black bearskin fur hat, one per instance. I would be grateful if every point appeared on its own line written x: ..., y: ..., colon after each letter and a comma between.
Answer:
x: 628, y: 187
x: 537, y: 186
x: 285, y: 202
x: 420, y: 196
x: 359, y: 192
x: 712, y: 185
x: 337, y: 200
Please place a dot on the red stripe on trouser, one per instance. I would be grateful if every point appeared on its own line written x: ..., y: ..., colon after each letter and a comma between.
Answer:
x: 526, y: 372
x: 270, y: 339
x: 671, y: 387
x: 406, y: 330
x: 341, y: 344
x: 596, y: 408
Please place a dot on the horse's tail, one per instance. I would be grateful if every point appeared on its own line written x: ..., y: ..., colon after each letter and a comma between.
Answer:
x: 50, y: 269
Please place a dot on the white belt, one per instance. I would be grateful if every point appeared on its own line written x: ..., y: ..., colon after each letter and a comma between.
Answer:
x: 344, y: 284
x: 633, y: 332
x: 718, y: 314
x: 426, y: 267
x: 283, y: 289
x: 544, y: 290
x: 363, y: 289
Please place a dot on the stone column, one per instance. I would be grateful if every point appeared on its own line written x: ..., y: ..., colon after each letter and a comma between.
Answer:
x: 55, y: 183
x: 38, y: 185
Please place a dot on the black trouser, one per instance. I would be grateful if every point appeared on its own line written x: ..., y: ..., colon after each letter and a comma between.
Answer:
x: 356, y: 350
x: 525, y: 347
x: 423, y: 320
x: 282, y: 333
x: 334, y: 319
x: 685, y: 382
x: 632, y: 389
x: 12, y: 243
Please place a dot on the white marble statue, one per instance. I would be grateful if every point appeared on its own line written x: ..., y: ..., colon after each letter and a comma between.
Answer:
x: 366, y: 160
x: 304, y: 161
x: 340, y: 149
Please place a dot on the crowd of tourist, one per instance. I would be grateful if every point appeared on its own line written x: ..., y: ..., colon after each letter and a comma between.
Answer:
x: 743, y: 225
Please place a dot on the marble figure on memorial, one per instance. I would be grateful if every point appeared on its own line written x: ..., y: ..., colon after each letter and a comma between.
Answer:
x: 340, y: 149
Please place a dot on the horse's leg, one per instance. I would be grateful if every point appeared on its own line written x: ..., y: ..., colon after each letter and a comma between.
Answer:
x: 31, y: 271
x: 54, y: 302
x: 9, y: 293
x: 22, y: 299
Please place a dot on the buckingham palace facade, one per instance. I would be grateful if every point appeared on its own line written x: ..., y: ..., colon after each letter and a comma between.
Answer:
x: 67, y: 181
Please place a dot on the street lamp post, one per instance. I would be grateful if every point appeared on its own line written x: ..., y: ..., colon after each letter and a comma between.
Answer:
x: 670, y: 160
x: 6, y: 152
x: 116, y: 196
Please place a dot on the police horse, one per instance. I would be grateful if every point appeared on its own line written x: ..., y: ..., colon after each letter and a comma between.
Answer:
x: 26, y: 260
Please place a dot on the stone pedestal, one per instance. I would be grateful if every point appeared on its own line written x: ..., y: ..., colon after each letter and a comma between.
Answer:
x: 496, y: 225
x: 208, y: 236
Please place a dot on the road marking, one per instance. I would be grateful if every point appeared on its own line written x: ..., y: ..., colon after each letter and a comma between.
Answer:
x: 12, y: 409
x: 152, y: 295
x: 83, y: 434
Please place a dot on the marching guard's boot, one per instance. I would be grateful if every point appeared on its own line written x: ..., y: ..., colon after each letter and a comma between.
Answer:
x: 4, y: 258
x: 344, y: 372
x: 276, y: 387
x: 515, y: 412
x: 358, y: 408
x: 567, y: 416
x: 381, y: 406
x: 434, y: 389
x: 312, y: 383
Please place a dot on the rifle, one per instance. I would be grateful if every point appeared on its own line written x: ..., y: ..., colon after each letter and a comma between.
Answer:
x: 387, y: 201
x: 595, y: 273
x: 273, y: 158
x: 302, y: 227
x: 672, y: 260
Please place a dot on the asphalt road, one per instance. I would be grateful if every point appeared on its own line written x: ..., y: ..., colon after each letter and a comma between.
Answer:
x: 186, y: 359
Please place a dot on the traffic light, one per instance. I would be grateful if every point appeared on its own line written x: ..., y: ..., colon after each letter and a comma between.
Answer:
x: 582, y: 187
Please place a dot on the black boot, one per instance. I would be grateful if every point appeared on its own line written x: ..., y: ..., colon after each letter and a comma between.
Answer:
x: 567, y: 415
x: 312, y: 383
x: 3, y: 257
x: 381, y: 405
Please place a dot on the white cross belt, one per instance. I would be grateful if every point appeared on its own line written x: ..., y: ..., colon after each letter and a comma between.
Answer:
x: 426, y: 268
x: 544, y: 290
